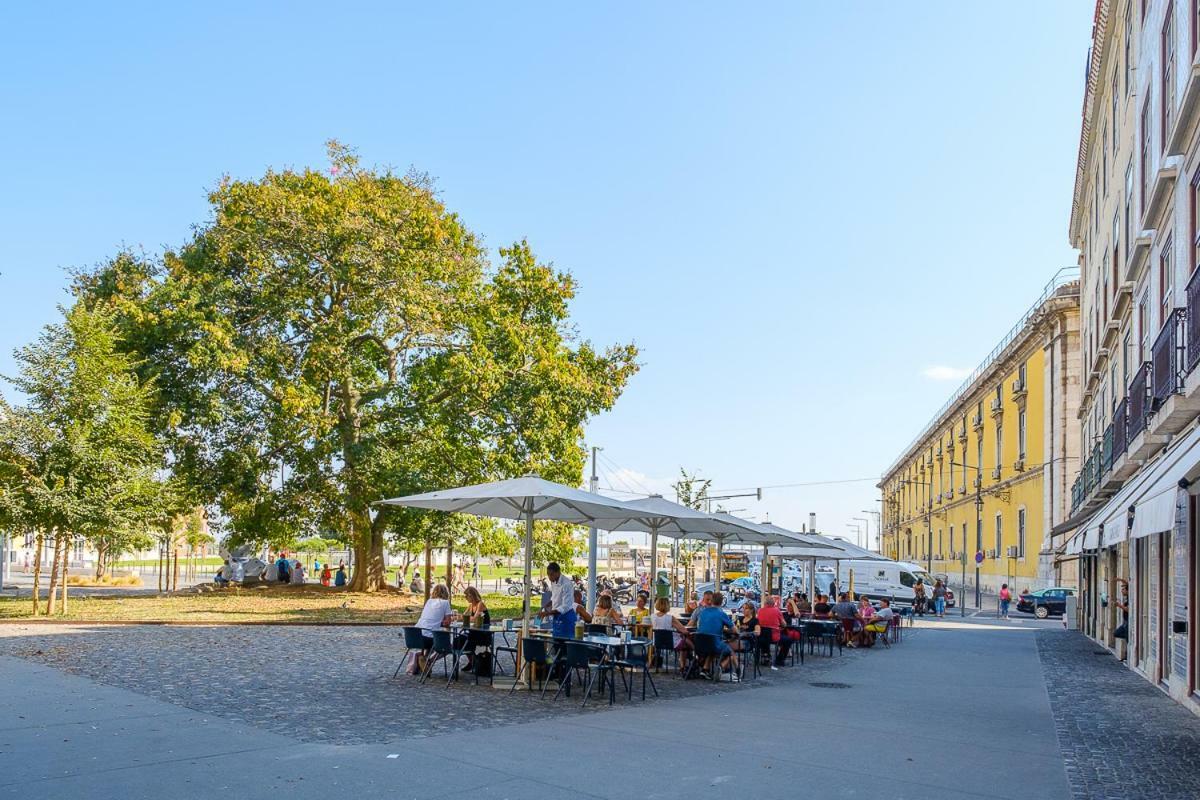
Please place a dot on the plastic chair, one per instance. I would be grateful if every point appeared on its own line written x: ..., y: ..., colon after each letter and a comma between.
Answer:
x: 473, y: 641
x: 580, y: 656
x: 706, y: 650
x: 816, y: 632
x: 442, y: 649
x: 533, y: 652
x: 414, y: 639
x: 664, y: 647
x: 636, y: 659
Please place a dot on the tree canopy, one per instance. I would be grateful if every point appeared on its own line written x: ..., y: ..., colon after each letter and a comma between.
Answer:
x: 329, y: 339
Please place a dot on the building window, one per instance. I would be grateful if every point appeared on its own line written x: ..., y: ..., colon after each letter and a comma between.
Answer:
x: 999, y: 535
x: 1104, y: 164
x: 1194, y: 219
x: 1195, y: 25
x: 1126, y: 349
x: 1144, y: 328
x: 1128, y: 207
x: 1021, y: 435
x: 1166, y: 281
x: 29, y: 541
x: 1128, y: 45
x: 1144, y: 154
x: 1021, y: 532
x: 1115, y: 129
x: 1168, y: 73
x: 999, y: 445
x: 1116, y: 249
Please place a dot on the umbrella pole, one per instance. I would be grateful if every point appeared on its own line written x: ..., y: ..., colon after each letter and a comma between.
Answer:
x: 528, y: 566
x: 764, y: 578
x: 653, y: 565
x: 720, y: 553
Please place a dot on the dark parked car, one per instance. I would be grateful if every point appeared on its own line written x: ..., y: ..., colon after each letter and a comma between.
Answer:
x: 1045, y: 602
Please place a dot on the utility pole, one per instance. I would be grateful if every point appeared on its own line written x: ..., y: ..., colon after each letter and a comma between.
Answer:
x: 593, y: 537
x: 879, y: 527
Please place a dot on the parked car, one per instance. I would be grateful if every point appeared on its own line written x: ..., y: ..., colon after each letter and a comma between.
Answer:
x: 1045, y: 602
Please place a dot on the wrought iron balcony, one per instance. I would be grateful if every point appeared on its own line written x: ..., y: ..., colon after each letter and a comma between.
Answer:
x: 1167, y: 356
x: 1120, y: 436
x: 1193, y: 321
x: 1139, y: 400
x: 1106, y: 450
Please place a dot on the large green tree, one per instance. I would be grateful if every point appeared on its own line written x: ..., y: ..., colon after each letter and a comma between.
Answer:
x: 345, y: 330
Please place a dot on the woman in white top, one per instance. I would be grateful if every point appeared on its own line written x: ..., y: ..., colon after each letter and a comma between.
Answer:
x: 298, y: 574
x: 437, y: 612
x: 663, y: 620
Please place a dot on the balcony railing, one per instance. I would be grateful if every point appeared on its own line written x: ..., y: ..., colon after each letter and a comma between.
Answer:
x: 1193, y: 321
x: 1106, y: 450
x: 1120, y: 437
x: 1167, y: 356
x: 1139, y: 400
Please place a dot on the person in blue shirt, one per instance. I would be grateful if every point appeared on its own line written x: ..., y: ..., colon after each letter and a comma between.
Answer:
x: 712, y: 619
x: 284, y: 568
x: 339, y: 577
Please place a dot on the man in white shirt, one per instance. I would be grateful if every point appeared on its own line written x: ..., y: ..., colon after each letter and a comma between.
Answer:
x: 561, y: 608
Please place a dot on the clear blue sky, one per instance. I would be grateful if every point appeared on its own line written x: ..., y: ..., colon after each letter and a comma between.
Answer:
x: 795, y: 211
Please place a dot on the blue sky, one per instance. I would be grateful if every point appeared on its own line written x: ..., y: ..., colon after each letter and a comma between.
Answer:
x: 798, y: 211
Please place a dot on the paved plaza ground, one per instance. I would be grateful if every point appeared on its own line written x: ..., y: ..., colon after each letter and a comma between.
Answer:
x: 960, y: 709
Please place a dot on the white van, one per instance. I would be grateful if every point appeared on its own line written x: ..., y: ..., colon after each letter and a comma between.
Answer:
x: 878, y: 579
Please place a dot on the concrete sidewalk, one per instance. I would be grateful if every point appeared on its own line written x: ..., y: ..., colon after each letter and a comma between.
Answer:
x: 955, y: 711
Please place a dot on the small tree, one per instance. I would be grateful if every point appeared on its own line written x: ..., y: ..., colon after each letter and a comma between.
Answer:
x: 79, y: 459
x: 692, y: 492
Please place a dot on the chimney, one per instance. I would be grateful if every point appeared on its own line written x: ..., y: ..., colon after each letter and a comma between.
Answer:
x: 812, y: 522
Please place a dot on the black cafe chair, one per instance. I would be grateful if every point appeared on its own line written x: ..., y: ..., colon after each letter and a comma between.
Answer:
x: 664, y: 648
x: 580, y: 657
x: 534, y: 653
x: 442, y: 650
x: 414, y: 641
x: 636, y: 660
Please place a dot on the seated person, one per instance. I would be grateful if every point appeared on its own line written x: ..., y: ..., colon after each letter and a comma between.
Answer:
x: 713, y: 620
x: 604, y: 613
x: 580, y: 609
x: 640, y: 613
x: 846, y: 611
x: 339, y: 577
x: 661, y: 620
x: 770, y: 623
x: 822, y: 609
x: 798, y: 605
x: 882, y: 618
x: 705, y: 602
x: 747, y: 627
x: 436, y: 614
x: 865, y: 609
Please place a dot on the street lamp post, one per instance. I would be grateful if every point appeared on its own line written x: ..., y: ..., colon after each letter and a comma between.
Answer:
x: 978, y: 537
x: 878, y: 527
x: 866, y: 530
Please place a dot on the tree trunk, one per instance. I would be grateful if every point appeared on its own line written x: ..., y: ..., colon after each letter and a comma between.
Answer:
x: 450, y: 567
x: 158, y: 566
x: 37, y: 575
x: 428, y: 569
x: 65, y: 564
x: 51, y: 601
x: 175, y: 571
x: 101, y: 559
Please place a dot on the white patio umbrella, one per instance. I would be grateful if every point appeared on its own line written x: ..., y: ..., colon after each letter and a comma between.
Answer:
x: 790, y: 539
x: 677, y: 521
x: 526, y: 498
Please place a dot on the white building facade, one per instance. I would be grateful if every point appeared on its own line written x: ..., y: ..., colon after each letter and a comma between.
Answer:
x: 1134, y: 221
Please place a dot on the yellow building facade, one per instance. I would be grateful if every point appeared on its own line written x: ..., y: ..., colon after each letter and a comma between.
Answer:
x: 989, y: 475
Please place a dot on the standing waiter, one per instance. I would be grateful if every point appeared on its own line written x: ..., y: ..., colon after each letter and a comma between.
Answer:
x: 561, y: 607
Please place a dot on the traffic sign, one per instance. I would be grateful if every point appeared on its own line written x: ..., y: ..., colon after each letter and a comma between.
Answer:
x: 979, y: 557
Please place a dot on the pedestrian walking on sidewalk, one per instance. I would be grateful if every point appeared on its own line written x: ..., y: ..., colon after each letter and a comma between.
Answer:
x: 939, y: 598
x: 1005, y: 600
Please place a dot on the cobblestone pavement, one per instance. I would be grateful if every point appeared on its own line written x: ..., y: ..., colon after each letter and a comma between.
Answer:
x: 315, y: 684
x: 1120, y: 737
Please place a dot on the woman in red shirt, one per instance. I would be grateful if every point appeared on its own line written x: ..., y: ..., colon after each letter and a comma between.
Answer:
x: 770, y: 622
